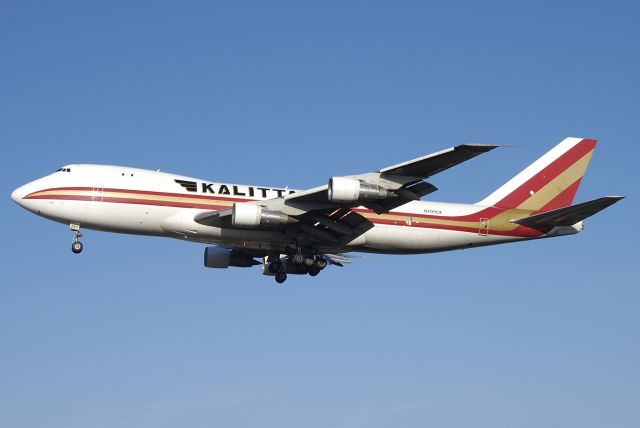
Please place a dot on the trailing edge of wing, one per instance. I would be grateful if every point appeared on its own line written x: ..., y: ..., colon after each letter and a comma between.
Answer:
x: 429, y: 165
x: 337, y: 259
x: 568, y: 216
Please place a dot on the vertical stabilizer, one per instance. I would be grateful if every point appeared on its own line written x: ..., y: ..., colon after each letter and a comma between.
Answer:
x: 549, y: 183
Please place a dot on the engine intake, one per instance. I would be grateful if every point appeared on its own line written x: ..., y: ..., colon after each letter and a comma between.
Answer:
x: 221, y: 258
x: 251, y: 215
x: 344, y: 189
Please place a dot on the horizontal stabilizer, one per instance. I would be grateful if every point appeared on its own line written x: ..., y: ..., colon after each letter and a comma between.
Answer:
x: 568, y: 216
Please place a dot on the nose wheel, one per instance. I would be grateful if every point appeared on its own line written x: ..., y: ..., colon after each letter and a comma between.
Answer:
x: 76, y: 245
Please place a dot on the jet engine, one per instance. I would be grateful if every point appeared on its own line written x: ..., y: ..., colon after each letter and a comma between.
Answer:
x: 218, y: 257
x: 345, y: 189
x: 251, y: 215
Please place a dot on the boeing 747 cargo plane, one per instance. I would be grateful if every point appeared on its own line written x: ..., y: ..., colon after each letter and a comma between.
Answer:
x: 303, y: 231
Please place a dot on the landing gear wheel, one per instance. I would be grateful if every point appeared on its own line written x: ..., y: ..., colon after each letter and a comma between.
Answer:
x: 298, y: 258
x: 313, y: 270
x: 321, y: 263
x: 281, y: 277
x: 76, y: 247
x: 275, y: 266
x: 309, y: 261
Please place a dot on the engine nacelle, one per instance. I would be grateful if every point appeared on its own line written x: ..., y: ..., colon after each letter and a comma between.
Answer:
x: 251, y: 215
x: 345, y: 189
x: 221, y: 258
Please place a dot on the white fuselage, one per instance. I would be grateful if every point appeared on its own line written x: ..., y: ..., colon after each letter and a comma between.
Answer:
x: 137, y: 201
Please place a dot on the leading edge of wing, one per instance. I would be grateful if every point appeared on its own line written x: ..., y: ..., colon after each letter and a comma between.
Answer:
x: 432, y: 164
x: 315, y: 194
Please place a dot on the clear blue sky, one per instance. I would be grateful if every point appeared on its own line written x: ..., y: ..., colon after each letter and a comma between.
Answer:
x: 136, y: 333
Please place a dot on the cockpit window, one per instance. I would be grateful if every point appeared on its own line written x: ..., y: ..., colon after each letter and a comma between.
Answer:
x: 63, y: 170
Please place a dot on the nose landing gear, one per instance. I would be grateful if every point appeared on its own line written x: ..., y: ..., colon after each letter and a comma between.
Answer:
x: 76, y: 245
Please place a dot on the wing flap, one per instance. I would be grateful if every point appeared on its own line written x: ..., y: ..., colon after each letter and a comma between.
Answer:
x: 338, y: 226
x: 337, y: 259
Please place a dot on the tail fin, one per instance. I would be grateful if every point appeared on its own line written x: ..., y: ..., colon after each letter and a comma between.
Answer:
x: 549, y: 183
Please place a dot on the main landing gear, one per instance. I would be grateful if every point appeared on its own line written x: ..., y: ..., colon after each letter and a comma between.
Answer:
x: 297, y: 263
x: 314, y: 264
x: 281, y: 277
x: 76, y: 245
x: 318, y: 264
x: 277, y: 268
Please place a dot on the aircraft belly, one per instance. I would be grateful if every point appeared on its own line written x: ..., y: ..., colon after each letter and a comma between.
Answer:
x: 127, y: 218
x: 402, y: 239
x: 97, y: 215
x: 137, y: 217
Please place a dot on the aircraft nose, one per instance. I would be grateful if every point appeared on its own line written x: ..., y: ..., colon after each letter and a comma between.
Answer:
x: 18, y: 194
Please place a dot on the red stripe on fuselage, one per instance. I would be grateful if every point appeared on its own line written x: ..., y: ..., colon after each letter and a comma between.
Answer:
x: 424, y: 223
x: 134, y: 201
x: 143, y: 192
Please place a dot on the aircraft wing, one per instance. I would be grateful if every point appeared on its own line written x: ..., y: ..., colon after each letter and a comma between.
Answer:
x: 429, y: 165
x: 325, y: 215
x: 410, y: 173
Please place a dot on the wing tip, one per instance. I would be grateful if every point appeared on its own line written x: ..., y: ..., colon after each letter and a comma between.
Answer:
x: 477, y: 148
x: 485, y: 146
